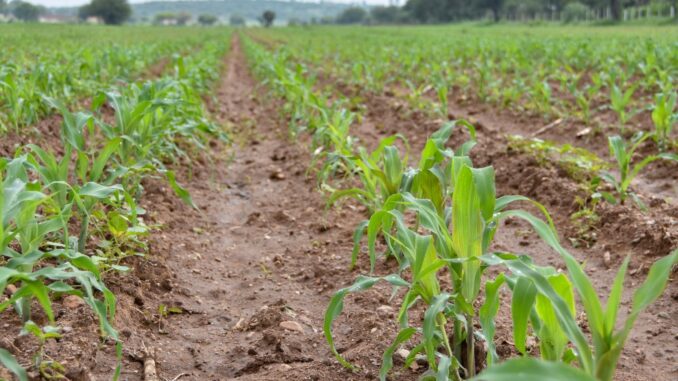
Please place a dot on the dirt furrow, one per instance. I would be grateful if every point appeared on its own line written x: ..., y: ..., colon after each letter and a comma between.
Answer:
x: 621, y: 232
x: 241, y: 287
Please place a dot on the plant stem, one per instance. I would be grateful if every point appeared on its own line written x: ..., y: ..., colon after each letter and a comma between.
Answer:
x: 82, y: 239
x: 446, y: 342
x: 470, y: 348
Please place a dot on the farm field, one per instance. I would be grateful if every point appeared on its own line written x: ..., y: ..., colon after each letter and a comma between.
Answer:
x: 332, y: 203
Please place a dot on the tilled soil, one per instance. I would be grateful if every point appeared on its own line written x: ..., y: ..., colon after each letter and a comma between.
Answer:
x: 238, y: 290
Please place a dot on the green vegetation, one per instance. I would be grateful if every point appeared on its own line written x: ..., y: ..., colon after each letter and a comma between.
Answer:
x: 70, y: 210
x: 440, y: 217
x: 91, y: 183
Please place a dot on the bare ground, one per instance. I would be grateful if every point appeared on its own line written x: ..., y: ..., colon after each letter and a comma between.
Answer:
x: 246, y: 280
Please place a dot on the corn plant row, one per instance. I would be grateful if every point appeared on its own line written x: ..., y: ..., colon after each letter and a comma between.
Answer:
x: 437, y: 218
x: 71, y: 73
x: 663, y: 115
x: 553, y: 76
x: 67, y: 219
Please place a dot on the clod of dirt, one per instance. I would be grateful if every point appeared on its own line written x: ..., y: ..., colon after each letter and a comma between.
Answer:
x: 385, y: 312
x: 72, y: 302
x: 10, y: 290
x: 292, y: 326
x: 277, y: 174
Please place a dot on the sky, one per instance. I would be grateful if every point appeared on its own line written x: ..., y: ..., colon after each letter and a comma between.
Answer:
x: 70, y: 3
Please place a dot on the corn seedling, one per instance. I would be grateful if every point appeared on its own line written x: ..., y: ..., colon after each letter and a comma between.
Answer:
x: 664, y: 117
x: 619, y: 102
x: 597, y: 361
x: 623, y: 154
x: 459, y: 239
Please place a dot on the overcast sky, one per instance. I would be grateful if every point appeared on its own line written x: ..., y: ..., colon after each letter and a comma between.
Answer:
x: 68, y: 3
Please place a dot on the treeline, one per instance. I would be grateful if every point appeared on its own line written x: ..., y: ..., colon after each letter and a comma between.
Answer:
x: 21, y: 10
x: 442, y: 11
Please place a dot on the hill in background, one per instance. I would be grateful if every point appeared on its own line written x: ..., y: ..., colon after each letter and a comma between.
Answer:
x: 249, y: 9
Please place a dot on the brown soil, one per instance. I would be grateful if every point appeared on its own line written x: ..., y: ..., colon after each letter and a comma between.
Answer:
x: 622, y: 230
x: 248, y: 277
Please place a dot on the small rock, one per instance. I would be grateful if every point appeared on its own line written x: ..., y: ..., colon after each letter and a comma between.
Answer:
x: 292, y: 326
x: 584, y: 132
x: 402, y: 354
x: 67, y: 329
x: 385, y: 312
x: 663, y: 315
x: 72, y: 302
x: 277, y: 175
x: 10, y: 289
x: 606, y: 259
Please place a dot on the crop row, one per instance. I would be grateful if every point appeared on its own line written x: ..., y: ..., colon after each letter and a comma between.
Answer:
x: 438, y: 218
x: 79, y: 68
x: 71, y: 213
x: 577, y: 76
x: 555, y: 57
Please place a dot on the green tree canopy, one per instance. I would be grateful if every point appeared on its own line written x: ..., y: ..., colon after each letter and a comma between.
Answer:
x: 267, y: 18
x: 353, y: 15
x: 112, y: 12
x: 26, y: 11
x: 207, y: 19
x: 236, y: 20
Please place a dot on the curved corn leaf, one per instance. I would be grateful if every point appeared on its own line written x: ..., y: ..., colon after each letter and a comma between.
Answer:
x: 531, y: 369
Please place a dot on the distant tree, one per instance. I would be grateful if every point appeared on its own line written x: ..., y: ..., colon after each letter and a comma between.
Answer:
x: 267, y: 18
x: 26, y: 11
x: 112, y: 12
x: 495, y: 6
x: 352, y: 15
x: 183, y: 18
x: 161, y: 18
x: 575, y: 11
x: 434, y: 11
x: 616, y: 8
x: 236, y: 20
x: 295, y: 22
x: 386, y: 15
x: 3, y: 6
x: 207, y: 19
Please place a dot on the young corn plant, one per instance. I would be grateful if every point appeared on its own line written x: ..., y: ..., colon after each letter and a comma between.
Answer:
x: 459, y: 240
x: 619, y: 102
x: 623, y: 154
x: 664, y: 117
x: 548, y: 301
x: 24, y: 234
x: 428, y: 180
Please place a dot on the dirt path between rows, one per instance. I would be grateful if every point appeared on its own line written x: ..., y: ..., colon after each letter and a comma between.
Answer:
x: 245, y: 281
x: 652, y: 344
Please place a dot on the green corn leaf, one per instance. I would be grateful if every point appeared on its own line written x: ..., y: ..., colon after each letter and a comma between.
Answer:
x: 179, y: 190
x: 431, y: 320
x: 531, y: 369
x: 9, y: 362
x: 357, y: 237
x: 98, y: 191
x: 614, y: 300
x: 102, y: 159
x: 561, y: 308
x: 444, y: 364
x: 467, y: 233
x: 524, y: 296
x: 488, y: 312
x: 387, y: 360
x: 336, y: 305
